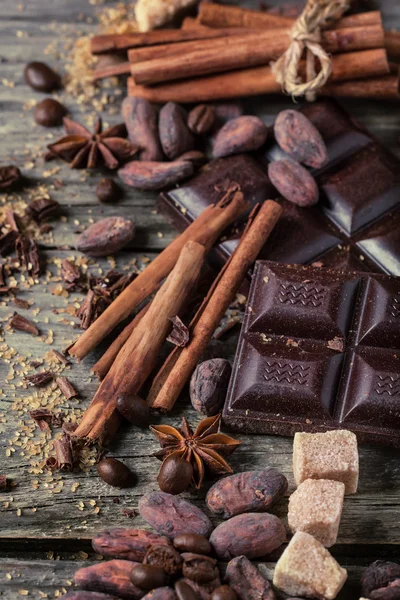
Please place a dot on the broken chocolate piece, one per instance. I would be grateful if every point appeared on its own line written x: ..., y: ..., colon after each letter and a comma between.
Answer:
x: 19, y: 322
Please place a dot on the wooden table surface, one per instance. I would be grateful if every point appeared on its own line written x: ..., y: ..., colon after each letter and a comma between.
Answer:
x: 47, y: 521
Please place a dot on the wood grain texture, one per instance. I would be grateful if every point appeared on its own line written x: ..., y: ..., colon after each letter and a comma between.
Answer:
x: 65, y: 521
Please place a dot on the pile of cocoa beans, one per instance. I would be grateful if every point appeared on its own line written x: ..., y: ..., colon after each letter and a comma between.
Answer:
x: 180, y: 560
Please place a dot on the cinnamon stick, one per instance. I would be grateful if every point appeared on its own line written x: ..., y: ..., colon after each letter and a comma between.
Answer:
x: 112, y: 71
x: 223, y: 15
x: 378, y: 88
x: 190, y: 23
x: 206, y: 229
x: 205, y: 57
x: 392, y: 44
x: 104, y: 364
x: 256, y: 81
x: 138, y: 356
x: 180, y: 364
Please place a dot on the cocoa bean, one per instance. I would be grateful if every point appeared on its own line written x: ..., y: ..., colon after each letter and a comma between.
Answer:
x: 243, y: 134
x: 141, y: 120
x: 148, y: 577
x: 107, y: 236
x: 209, y: 384
x: 190, y: 542
x: 251, y: 534
x: 299, y: 138
x: 294, y: 182
x: 251, y: 491
x: 378, y: 575
x: 197, y: 158
x: 83, y: 595
x: 246, y: 580
x: 131, y: 544
x: 155, y: 175
x: 224, y: 592
x: 171, y: 516
x: 199, y: 568
x: 390, y: 592
x: 165, y: 557
x: 201, y: 119
x: 112, y: 577
x: 175, y: 136
x: 184, y: 591
x: 204, y: 590
x: 162, y: 593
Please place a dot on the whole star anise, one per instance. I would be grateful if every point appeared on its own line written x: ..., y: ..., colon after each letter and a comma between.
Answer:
x: 204, y: 448
x: 83, y: 149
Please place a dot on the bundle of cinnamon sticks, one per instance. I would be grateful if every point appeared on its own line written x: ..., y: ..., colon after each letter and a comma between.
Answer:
x: 226, y: 52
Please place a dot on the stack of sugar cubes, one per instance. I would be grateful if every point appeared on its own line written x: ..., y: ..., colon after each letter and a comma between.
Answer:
x: 325, y: 467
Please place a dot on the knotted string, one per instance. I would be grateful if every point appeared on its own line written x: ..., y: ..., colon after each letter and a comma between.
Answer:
x: 306, y: 35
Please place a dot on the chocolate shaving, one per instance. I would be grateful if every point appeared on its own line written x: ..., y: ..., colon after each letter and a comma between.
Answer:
x: 28, y: 255
x: 21, y: 303
x: 72, y: 276
x: 87, y: 310
x: 42, y: 209
x: 7, y: 242
x: 46, y: 228
x: 20, y: 323
x: 64, y: 453
x: 42, y: 417
x: 179, y: 334
x: 129, y: 512
x: 59, y: 357
x: 66, y: 387
x: 3, y: 483
x: 35, y: 363
x: 39, y: 379
x: 336, y: 344
x: 10, y: 177
x: 69, y: 428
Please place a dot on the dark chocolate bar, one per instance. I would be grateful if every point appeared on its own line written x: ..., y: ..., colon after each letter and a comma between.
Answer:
x: 319, y: 349
x: 360, y: 200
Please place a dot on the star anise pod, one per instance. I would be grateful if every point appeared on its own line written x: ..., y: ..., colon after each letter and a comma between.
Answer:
x: 204, y: 448
x: 83, y: 149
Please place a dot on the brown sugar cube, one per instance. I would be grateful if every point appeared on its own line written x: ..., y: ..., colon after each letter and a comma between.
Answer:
x: 330, y: 455
x: 316, y: 507
x: 308, y: 569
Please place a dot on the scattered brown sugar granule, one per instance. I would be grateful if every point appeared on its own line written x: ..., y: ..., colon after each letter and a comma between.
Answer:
x: 19, y: 322
x: 306, y: 568
x: 330, y: 455
x: 316, y: 508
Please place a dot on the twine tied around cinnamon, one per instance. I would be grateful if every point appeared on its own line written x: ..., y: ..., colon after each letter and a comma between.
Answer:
x: 306, y: 35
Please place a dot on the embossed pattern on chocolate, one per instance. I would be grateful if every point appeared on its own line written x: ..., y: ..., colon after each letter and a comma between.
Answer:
x: 319, y: 350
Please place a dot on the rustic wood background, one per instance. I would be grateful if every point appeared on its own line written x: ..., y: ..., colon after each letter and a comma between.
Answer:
x: 44, y: 535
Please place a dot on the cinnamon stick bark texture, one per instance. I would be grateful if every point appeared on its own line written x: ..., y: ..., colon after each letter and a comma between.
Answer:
x: 242, y: 51
x: 137, y: 358
x: 258, y: 80
x: 205, y: 229
x: 182, y: 361
x: 379, y: 88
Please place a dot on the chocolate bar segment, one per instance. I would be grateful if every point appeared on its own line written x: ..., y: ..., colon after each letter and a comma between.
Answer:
x: 319, y: 349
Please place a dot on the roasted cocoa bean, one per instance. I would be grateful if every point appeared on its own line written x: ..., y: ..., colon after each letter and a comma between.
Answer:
x: 243, y: 134
x: 107, y: 236
x: 131, y: 544
x: 107, y: 191
x: 134, y: 409
x: 184, y: 591
x: 112, y: 577
x: 175, y: 475
x: 201, y: 119
x: 197, y: 158
x: 190, y: 542
x: 251, y: 534
x: 390, y: 592
x: 204, y: 590
x: 299, y: 138
x: 246, y: 580
x: 165, y: 557
x: 171, y: 516
x: 155, y: 175
x: 41, y: 77
x: 199, y: 568
x: 115, y: 473
x: 294, y: 182
x: 148, y: 577
x: 175, y: 136
x: 378, y: 575
x: 162, y: 593
x: 141, y: 120
x: 251, y: 491
x: 224, y: 592
x: 49, y: 113
x: 84, y: 595
x: 209, y: 384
